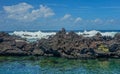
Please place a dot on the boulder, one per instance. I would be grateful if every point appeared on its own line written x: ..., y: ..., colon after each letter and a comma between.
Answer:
x: 114, y: 47
x: 38, y: 52
x: 20, y: 45
x: 98, y: 37
x: 117, y: 37
x: 68, y: 45
x: 3, y: 34
x: 1, y: 40
x: 16, y: 52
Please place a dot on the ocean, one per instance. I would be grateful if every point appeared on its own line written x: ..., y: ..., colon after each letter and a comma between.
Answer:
x: 55, y: 65
x: 31, y: 35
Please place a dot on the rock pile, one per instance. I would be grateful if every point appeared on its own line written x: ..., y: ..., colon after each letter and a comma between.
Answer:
x: 68, y: 45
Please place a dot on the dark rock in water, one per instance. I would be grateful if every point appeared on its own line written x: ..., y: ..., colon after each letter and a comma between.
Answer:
x: 117, y: 36
x: 72, y: 45
x: 20, y: 45
x: 2, y: 34
x: 63, y: 31
x: 16, y: 52
x: 1, y: 40
x: 13, y: 45
x: 114, y: 47
x: 88, y: 51
x: 68, y: 45
x: 98, y: 35
x: 38, y: 52
x: 107, y: 38
x: 29, y: 47
x: 72, y: 35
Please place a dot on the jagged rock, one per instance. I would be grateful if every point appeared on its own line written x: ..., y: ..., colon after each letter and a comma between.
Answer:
x: 16, y: 52
x: 114, y: 47
x: 68, y: 45
x: 61, y: 34
x: 20, y: 45
x: 38, y: 52
x: 87, y: 51
x: 63, y: 31
x: 3, y: 34
x: 117, y: 37
x: 9, y: 45
x: 72, y: 35
x: 3, y: 47
x: 98, y: 35
x: 1, y: 40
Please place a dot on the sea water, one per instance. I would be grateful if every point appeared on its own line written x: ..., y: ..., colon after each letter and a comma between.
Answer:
x: 54, y: 65
x: 36, y: 35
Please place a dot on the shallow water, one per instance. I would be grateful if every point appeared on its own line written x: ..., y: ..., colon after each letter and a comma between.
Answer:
x: 52, y: 65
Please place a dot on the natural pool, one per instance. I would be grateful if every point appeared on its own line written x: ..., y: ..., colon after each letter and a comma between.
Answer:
x: 53, y: 65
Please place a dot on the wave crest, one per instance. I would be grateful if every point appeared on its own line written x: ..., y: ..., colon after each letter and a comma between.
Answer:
x: 39, y: 34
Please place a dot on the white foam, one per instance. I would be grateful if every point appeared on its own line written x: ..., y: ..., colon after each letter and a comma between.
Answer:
x: 88, y: 33
x: 94, y: 32
x: 33, y: 35
x: 112, y: 34
x: 38, y: 35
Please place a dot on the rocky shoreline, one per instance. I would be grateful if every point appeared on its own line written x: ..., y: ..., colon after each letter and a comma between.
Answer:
x: 67, y: 45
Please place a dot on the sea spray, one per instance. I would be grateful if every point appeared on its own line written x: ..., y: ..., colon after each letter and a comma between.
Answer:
x: 33, y: 36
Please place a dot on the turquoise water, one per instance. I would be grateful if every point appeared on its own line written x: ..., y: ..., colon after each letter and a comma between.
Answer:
x: 52, y: 65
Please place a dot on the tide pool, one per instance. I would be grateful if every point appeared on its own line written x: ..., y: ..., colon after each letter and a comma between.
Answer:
x: 54, y: 65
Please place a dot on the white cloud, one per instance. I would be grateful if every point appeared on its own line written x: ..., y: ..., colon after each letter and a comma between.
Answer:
x: 103, y: 21
x: 97, y: 21
x: 22, y: 7
x: 78, y: 19
x: 26, y: 12
x: 111, y: 20
x: 66, y: 16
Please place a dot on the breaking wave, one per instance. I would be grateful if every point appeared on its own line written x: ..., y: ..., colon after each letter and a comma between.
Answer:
x: 94, y: 32
x: 33, y: 36
x: 39, y: 34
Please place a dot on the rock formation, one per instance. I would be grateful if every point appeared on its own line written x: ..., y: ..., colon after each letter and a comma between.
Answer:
x: 68, y: 45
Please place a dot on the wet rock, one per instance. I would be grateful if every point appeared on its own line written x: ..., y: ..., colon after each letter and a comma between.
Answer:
x: 117, y: 37
x: 107, y: 38
x: 89, y: 51
x: 1, y: 40
x: 114, y: 47
x: 98, y: 37
x: 68, y: 45
x: 3, y: 34
x: 3, y: 47
x: 15, y: 52
x: 38, y: 52
x: 20, y: 45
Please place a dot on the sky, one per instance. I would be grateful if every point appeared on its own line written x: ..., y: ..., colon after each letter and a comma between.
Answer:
x: 57, y: 14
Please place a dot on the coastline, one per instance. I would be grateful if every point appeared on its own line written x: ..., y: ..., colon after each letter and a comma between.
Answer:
x: 62, y: 44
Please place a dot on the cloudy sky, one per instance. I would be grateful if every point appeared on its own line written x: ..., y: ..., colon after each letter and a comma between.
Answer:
x: 55, y: 14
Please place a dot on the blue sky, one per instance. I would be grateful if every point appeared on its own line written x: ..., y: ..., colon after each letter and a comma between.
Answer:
x: 55, y: 14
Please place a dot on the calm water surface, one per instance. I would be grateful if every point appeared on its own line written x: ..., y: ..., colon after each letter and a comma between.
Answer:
x: 52, y: 65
